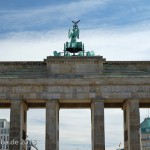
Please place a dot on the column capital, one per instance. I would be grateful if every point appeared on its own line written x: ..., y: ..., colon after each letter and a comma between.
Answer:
x: 15, y: 100
x: 97, y: 100
x: 134, y: 100
x: 18, y: 100
x: 52, y: 100
x: 131, y: 100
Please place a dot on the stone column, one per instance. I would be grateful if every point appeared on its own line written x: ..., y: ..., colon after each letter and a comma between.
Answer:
x: 52, y: 125
x: 131, y: 125
x: 18, y: 125
x: 98, y: 133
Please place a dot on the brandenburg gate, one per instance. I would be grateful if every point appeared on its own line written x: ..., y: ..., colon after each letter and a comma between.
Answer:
x: 83, y: 81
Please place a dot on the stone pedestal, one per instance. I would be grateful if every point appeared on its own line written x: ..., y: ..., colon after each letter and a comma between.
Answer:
x: 18, y: 125
x: 98, y: 133
x: 131, y: 125
x: 52, y: 125
x: 74, y: 65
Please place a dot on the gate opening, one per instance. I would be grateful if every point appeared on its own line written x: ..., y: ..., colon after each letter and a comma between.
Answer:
x: 4, y: 128
x: 75, y: 129
x: 36, y: 127
x: 114, y: 129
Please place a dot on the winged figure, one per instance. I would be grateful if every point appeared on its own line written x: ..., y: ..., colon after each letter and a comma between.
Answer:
x: 75, y: 31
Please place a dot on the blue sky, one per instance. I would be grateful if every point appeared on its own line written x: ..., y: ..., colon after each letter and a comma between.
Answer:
x: 110, y: 28
x: 115, y: 29
x: 21, y: 15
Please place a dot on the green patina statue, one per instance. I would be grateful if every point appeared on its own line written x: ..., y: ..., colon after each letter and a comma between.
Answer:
x: 74, y: 34
x: 74, y: 46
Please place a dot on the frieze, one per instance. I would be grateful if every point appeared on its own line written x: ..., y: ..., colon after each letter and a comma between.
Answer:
x: 72, y: 61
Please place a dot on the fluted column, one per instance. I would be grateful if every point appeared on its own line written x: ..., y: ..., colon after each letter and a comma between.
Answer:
x: 52, y: 125
x: 98, y: 133
x: 18, y: 125
x: 131, y: 125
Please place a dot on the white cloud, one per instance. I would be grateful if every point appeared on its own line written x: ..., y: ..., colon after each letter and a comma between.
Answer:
x: 144, y: 113
x: 113, y: 44
x: 5, y: 114
x: 31, y: 45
